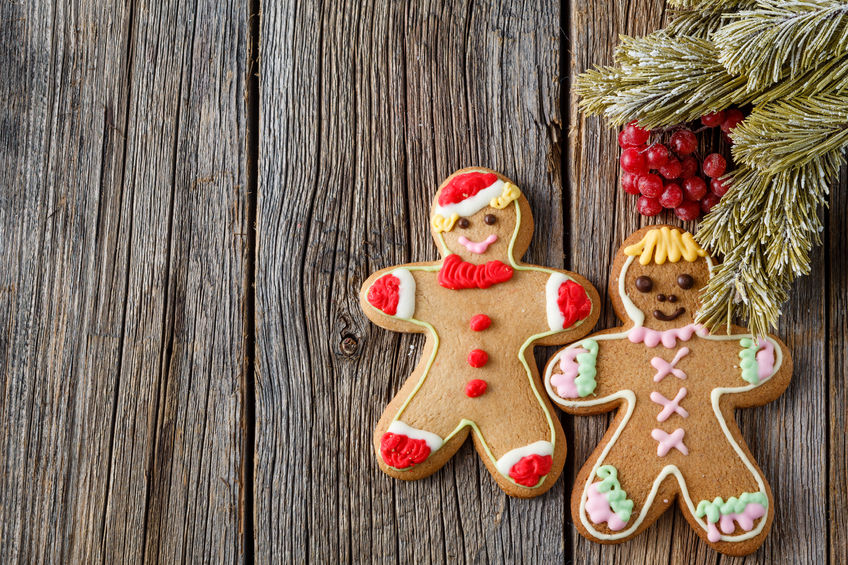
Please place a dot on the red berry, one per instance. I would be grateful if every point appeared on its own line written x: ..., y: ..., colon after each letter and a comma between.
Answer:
x: 650, y: 185
x: 648, y: 206
x: 479, y: 322
x: 708, y: 202
x: 694, y: 188
x: 634, y: 135
x: 713, y: 119
x: 689, y: 167
x: 714, y: 165
x: 689, y: 210
x: 731, y: 118
x: 719, y: 187
x: 657, y: 155
x: 684, y: 142
x: 633, y: 162
x: 630, y: 183
x: 672, y: 169
x: 672, y: 196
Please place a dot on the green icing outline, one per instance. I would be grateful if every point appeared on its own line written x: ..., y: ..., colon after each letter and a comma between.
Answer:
x: 718, y: 507
x: 586, y: 372
x: 616, y: 496
x: 749, y: 364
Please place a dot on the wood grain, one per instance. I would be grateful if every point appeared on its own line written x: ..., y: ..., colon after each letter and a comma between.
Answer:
x: 128, y: 323
x: 122, y: 281
x: 365, y: 109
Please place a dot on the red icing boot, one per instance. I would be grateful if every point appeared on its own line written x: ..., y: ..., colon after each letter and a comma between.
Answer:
x: 401, y: 452
x: 530, y: 469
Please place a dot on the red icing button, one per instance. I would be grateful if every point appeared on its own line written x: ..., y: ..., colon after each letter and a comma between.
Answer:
x: 480, y: 322
x: 477, y: 358
x: 475, y: 388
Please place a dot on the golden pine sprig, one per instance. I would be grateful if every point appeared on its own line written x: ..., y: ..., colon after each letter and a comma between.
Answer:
x: 782, y: 38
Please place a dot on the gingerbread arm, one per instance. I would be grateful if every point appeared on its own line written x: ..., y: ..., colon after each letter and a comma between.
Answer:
x: 571, y: 306
x: 388, y: 298
x: 753, y: 371
x: 584, y: 377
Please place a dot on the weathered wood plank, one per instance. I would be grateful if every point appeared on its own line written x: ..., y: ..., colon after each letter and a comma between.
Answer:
x: 836, y: 348
x: 122, y: 347
x: 781, y: 435
x: 365, y: 109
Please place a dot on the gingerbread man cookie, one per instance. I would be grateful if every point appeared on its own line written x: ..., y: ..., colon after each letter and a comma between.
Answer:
x: 482, y: 310
x: 675, y: 386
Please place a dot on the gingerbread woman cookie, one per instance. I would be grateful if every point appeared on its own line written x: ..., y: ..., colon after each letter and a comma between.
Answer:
x: 675, y: 386
x: 482, y: 310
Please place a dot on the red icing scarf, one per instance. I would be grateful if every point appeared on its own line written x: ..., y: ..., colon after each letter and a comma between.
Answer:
x: 457, y: 274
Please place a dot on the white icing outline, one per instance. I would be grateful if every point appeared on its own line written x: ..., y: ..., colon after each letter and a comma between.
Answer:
x: 406, y: 294
x: 633, y: 311
x: 472, y: 204
x: 510, y: 458
x: 433, y: 441
x: 555, y: 317
x: 630, y: 397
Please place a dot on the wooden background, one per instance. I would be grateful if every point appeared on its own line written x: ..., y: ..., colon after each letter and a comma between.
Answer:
x: 177, y: 386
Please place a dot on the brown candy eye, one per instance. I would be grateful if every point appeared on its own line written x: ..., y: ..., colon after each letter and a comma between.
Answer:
x: 644, y: 284
x: 490, y: 219
x: 661, y: 297
x: 463, y: 223
x: 685, y: 282
x: 672, y: 299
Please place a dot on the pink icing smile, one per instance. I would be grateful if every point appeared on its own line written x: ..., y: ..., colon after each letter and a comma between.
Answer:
x: 477, y: 247
x: 753, y: 510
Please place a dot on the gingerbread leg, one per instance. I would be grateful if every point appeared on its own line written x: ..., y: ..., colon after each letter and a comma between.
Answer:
x: 614, y: 499
x: 730, y: 506
x: 524, y: 448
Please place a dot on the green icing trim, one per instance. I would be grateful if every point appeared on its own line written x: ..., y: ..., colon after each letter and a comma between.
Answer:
x: 585, y: 381
x: 718, y: 507
x: 616, y: 497
x: 749, y: 364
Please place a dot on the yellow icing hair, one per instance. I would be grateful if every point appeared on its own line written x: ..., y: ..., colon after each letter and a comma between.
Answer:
x: 665, y: 243
x: 510, y: 192
x: 440, y: 223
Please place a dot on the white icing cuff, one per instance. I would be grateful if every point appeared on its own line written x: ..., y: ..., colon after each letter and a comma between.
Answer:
x: 473, y: 204
x: 556, y: 320
x: 433, y: 441
x: 406, y: 294
x: 505, y: 463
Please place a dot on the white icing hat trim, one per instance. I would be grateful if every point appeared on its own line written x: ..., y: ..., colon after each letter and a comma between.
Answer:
x: 472, y: 204
x: 406, y: 294
x: 632, y: 310
x: 555, y: 318
x: 505, y: 463
x: 433, y: 441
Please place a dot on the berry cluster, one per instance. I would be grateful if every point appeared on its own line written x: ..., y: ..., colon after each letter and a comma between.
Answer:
x: 669, y: 175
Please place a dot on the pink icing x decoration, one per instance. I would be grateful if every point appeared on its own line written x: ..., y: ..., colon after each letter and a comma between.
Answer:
x: 599, y: 510
x: 670, y: 406
x: 477, y: 247
x: 564, y: 382
x: 668, y: 441
x: 753, y: 511
x: 765, y: 359
x: 664, y: 368
x: 669, y: 338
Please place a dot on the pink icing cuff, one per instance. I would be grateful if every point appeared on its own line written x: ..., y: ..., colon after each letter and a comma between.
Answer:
x: 564, y: 382
x: 599, y: 509
x: 753, y: 511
